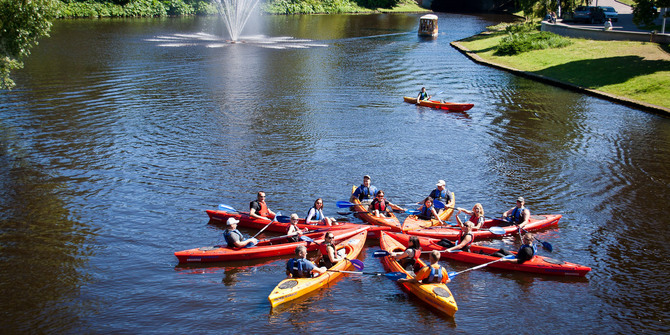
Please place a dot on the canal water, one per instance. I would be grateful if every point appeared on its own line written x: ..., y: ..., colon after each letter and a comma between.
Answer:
x: 121, y: 133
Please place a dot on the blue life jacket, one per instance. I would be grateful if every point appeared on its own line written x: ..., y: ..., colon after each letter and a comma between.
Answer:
x: 440, y: 195
x: 426, y: 212
x: 365, y: 193
x: 532, y: 245
x: 297, y: 268
x: 435, y: 275
x: 423, y: 95
x: 228, y: 235
x: 516, y: 216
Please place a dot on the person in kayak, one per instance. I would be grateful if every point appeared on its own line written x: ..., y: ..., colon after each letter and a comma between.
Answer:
x: 365, y: 192
x: 476, y: 216
x: 327, y: 255
x: 233, y: 236
x: 315, y: 214
x: 294, y: 231
x: 423, y: 95
x: 464, y: 239
x: 301, y: 267
x: 525, y: 253
x: 380, y: 206
x: 517, y: 215
x: 258, y: 209
x: 441, y: 193
x: 408, y: 258
x: 433, y: 273
x: 427, y: 210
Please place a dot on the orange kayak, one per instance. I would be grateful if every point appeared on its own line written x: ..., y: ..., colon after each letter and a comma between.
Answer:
x: 413, y: 222
x: 450, y: 106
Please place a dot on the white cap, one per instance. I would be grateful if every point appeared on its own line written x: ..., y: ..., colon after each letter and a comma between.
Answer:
x: 520, y: 199
x: 232, y: 221
x: 441, y: 183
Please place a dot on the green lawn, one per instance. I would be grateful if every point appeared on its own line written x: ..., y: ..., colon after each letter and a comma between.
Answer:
x: 635, y: 70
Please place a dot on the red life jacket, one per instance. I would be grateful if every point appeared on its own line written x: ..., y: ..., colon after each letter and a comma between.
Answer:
x: 379, y: 205
x: 264, y: 209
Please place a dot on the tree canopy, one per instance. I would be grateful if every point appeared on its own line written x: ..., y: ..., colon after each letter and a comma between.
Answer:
x: 22, y: 23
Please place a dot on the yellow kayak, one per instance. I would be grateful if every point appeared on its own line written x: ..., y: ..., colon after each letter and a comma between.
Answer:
x: 413, y: 222
x: 437, y: 295
x: 293, y: 288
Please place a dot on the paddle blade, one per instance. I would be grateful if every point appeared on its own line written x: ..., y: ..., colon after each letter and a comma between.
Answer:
x: 452, y: 274
x: 438, y: 204
x: 380, y: 253
x: 224, y: 207
x: 509, y: 257
x: 358, y: 264
x: 396, y: 275
x: 497, y: 230
x: 283, y: 218
x: 547, y: 246
x: 343, y: 204
x: 413, y: 211
x: 306, y: 239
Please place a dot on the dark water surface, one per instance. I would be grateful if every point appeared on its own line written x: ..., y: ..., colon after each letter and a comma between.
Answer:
x: 121, y: 133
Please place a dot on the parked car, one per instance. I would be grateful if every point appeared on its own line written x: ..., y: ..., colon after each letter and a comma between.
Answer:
x: 610, y: 13
x: 590, y: 14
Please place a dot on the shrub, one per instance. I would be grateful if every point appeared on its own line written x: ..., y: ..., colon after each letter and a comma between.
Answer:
x: 517, y: 43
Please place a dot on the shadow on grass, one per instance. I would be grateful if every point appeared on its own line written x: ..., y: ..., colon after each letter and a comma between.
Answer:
x: 605, y: 71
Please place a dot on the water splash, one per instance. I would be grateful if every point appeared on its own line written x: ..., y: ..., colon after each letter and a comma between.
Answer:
x: 213, y: 41
x: 235, y: 14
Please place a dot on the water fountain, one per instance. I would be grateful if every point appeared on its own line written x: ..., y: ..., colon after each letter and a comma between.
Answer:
x: 235, y: 14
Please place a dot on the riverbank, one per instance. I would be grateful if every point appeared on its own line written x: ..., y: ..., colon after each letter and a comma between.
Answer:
x: 636, y: 74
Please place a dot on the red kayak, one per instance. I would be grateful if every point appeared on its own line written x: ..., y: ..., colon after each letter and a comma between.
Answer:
x: 271, y: 247
x: 537, y: 222
x: 279, y: 227
x: 450, y: 106
x: 480, y: 255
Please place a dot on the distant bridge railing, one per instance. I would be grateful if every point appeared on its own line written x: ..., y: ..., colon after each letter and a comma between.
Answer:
x: 603, y: 35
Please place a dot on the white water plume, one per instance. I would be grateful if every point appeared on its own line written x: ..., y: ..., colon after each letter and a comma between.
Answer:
x: 235, y: 14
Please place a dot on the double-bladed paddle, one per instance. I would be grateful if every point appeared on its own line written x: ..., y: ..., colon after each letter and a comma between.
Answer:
x: 453, y: 274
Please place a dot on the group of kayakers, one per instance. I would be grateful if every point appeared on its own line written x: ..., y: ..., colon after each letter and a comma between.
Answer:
x: 300, y: 266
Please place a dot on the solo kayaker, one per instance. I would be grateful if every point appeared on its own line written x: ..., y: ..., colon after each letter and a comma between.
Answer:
x: 518, y: 215
x: 365, y: 192
x: 525, y: 253
x: 427, y: 211
x: 442, y: 194
x: 423, y: 95
x: 380, y: 206
x: 433, y: 273
x: 234, y: 237
x: 294, y: 231
x: 464, y: 239
x: 476, y: 216
x: 301, y: 267
x: 408, y: 258
x: 315, y: 214
x: 258, y: 209
x: 327, y: 255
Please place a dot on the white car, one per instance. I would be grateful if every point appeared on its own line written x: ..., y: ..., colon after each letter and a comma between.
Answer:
x: 610, y: 13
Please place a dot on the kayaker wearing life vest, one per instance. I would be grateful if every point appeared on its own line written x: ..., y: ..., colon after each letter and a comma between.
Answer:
x: 259, y: 209
x: 427, y: 211
x: 380, y: 206
x: 315, y: 214
x: 327, y: 255
x: 518, y: 215
x: 301, y: 267
x: 433, y: 273
x: 294, y: 231
x: 408, y: 258
x: 234, y: 237
x: 423, y: 95
x: 464, y: 239
x: 441, y: 193
x: 365, y: 192
x: 476, y: 216
x: 525, y: 253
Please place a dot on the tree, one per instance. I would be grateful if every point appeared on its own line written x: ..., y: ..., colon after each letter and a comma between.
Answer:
x: 644, y: 12
x: 22, y: 23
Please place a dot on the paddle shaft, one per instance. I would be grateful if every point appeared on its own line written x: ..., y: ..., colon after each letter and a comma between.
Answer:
x: 476, y: 267
x: 268, y: 225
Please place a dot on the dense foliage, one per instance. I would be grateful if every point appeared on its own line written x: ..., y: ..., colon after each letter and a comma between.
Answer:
x: 310, y: 6
x: 135, y: 8
x: 526, y: 37
x: 22, y: 22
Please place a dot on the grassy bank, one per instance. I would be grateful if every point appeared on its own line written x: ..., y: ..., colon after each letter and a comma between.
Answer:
x: 634, y: 70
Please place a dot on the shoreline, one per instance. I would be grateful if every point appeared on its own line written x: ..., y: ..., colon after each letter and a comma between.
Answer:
x: 558, y: 83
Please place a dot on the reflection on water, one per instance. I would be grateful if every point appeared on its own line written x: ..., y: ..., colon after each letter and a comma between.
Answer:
x: 113, y: 145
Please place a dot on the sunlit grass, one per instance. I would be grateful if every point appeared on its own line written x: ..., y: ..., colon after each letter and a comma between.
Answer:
x: 636, y: 70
